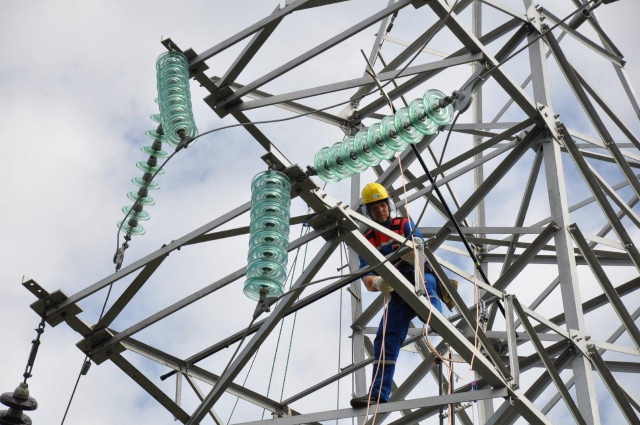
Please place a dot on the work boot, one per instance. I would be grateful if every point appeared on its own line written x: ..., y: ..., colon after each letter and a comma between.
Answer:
x: 359, y: 402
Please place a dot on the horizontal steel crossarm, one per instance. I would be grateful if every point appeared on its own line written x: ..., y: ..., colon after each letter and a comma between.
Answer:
x: 143, y: 324
x: 475, y: 45
x: 406, y: 44
x: 348, y: 84
x: 548, y: 363
x: 381, y: 101
x: 220, y: 47
x: 596, y: 302
x: 488, y: 230
x: 419, y: 304
x: 596, y: 143
x: 504, y: 9
x: 612, y: 259
x: 472, y: 152
x: 586, y: 202
x: 384, y: 408
x: 252, y: 346
x: 203, y: 375
x: 582, y: 39
x: 162, y: 252
x: 600, y: 197
x: 391, y: 9
x: 295, y: 107
x: 344, y: 372
x: 605, y: 284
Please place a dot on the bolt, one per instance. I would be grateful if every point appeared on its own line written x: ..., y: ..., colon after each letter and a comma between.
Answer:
x: 556, y: 116
x: 47, y: 303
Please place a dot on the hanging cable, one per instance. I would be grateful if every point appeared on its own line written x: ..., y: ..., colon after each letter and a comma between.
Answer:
x: 244, y: 384
x: 293, y: 325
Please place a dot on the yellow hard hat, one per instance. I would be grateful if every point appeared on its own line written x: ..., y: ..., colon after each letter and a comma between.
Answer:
x: 374, y: 192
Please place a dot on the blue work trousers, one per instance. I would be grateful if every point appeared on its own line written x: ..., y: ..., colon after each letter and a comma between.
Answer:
x: 399, y: 316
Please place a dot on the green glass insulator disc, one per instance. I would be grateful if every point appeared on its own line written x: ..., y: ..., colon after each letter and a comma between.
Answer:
x: 267, y: 252
x: 156, y: 118
x: 172, y: 70
x: 376, y: 145
x: 321, y: 164
x: 269, y: 237
x: 270, y: 209
x: 153, y: 135
x: 349, y: 157
x: 271, y: 178
x: 133, y: 231
x: 390, y: 136
x: 138, y: 181
x: 420, y: 119
x: 266, y: 268
x: 140, y: 216
x: 145, y: 200
x: 335, y: 162
x: 143, y: 166
x: 269, y: 223
x: 406, y: 131
x: 441, y: 116
x: 271, y: 194
x: 253, y: 286
x: 362, y: 151
x: 152, y: 152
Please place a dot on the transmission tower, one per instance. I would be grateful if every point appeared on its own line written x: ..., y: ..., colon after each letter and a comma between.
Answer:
x: 560, y: 347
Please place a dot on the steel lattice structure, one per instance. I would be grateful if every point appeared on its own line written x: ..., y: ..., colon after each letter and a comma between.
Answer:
x: 498, y: 367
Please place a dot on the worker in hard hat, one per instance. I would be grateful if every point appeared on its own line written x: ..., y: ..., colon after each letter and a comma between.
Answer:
x: 375, y: 199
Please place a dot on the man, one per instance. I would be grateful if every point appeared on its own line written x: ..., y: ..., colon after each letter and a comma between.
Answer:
x: 399, y: 314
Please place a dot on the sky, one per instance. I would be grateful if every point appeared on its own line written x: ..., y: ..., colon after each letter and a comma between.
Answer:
x: 77, y: 86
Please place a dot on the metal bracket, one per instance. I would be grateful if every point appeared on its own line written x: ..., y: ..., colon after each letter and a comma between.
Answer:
x: 48, y: 301
x: 91, y: 346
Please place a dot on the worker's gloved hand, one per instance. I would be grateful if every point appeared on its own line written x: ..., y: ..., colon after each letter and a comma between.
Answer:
x: 409, y: 257
x: 381, y: 285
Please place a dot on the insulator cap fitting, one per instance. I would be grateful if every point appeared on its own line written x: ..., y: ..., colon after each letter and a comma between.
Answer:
x: 18, y: 401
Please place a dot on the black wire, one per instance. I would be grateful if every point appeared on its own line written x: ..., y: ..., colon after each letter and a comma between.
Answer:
x: 75, y: 387
x: 393, y: 255
x: 138, y: 199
